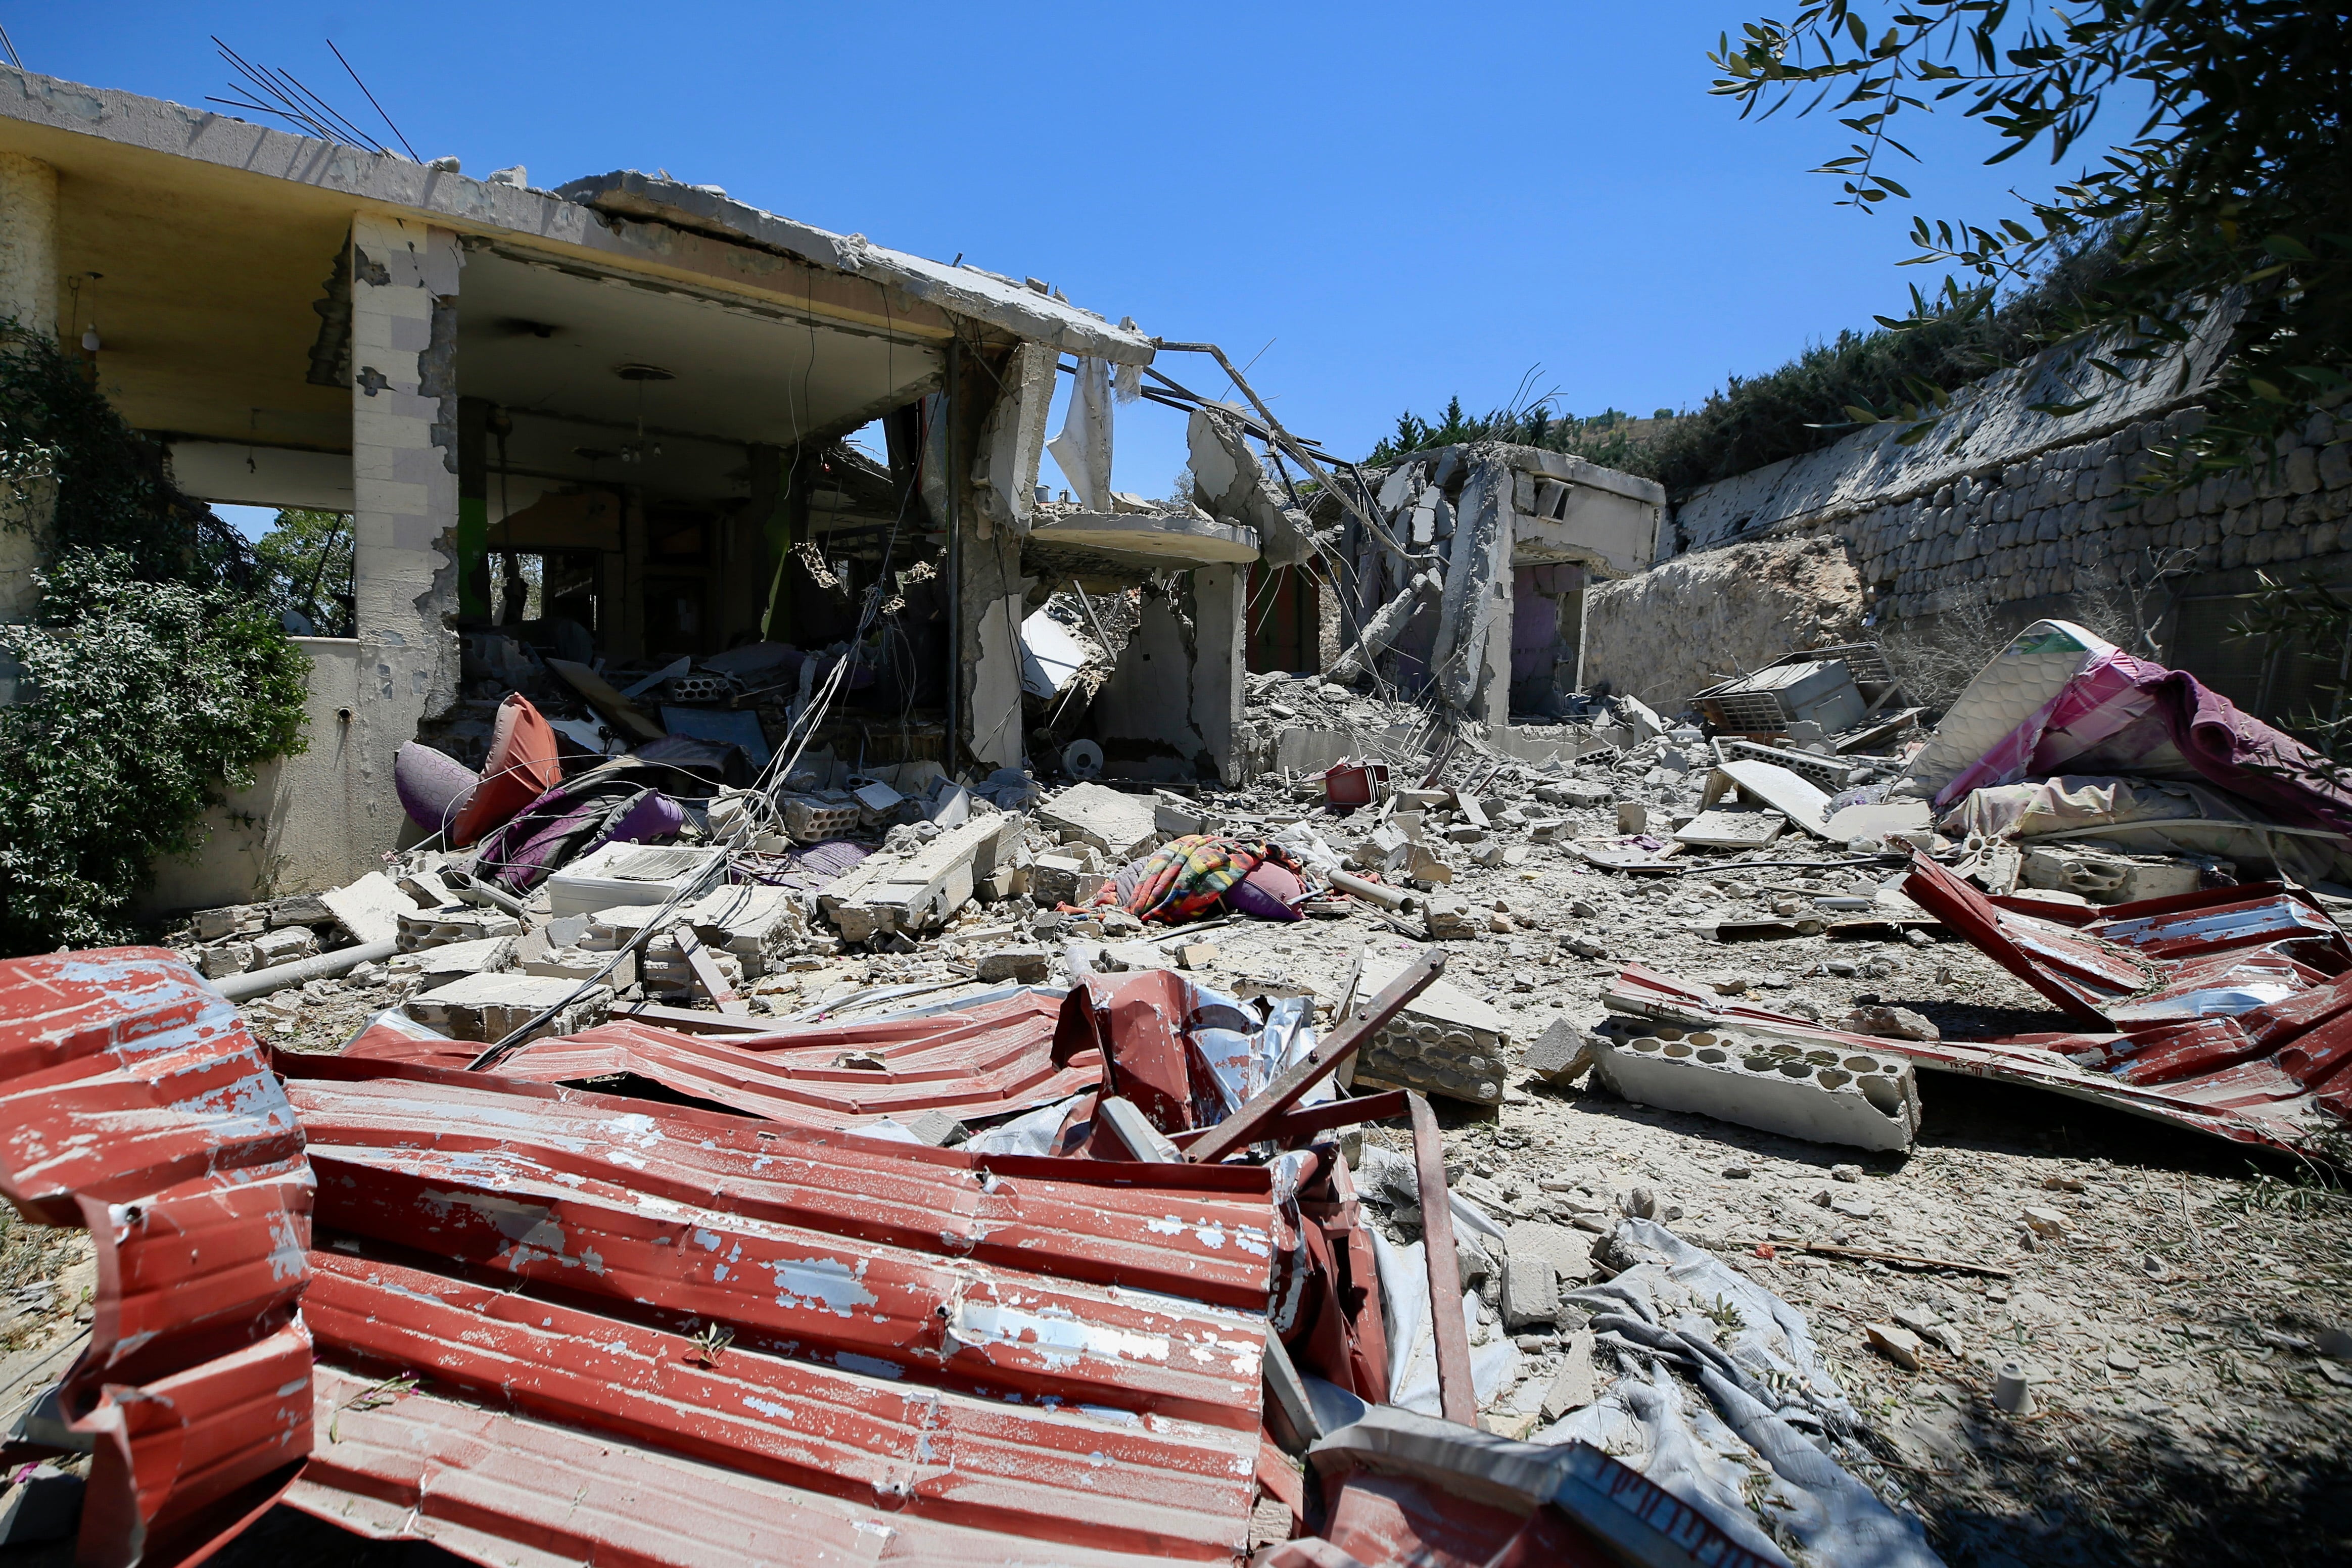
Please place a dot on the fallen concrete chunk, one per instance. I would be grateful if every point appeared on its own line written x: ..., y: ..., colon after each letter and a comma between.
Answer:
x: 224, y: 958
x: 487, y: 1007
x: 1065, y: 879
x: 1571, y: 1386
x: 751, y: 923
x: 1560, y: 1055
x: 229, y: 920
x: 1791, y: 796
x: 302, y: 909
x: 422, y: 928
x: 919, y: 892
x: 1026, y: 965
x: 1444, y: 1042
x: 1898, y: 1345
x: 370, y: 908
x: 1732, y: 827
x: 283, y: 945
x: 486, y: 956
x: 1891, y: 1023
x: 1828, y: 1096
x: 1568, y: 1253
x: 1530, y: 1292
x: 1116, y: 825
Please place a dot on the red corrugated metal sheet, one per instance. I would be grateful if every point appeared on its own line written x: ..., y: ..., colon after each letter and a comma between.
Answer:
x: 500, y: 1487
x: 133, y: 1102
x: 1066, y: 1351
x: 2214, y: 952
x: 996, y: 1059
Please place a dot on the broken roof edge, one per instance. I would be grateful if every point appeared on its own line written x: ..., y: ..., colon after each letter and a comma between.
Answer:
x: 959, y: 291
x: 206, y: 136
x: 1542, y: 460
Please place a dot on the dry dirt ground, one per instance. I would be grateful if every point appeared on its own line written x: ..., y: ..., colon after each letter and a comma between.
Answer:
x: 2184, y: 1414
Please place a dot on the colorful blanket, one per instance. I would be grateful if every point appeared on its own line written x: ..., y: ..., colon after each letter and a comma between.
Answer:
x: 1186, y: 876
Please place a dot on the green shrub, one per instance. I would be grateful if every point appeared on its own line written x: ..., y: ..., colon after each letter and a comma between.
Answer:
x: 154, y: 674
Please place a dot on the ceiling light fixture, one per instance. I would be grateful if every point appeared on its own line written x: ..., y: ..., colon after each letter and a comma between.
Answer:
x: 638, y: 450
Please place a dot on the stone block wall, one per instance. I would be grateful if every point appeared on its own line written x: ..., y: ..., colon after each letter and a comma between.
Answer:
x: 2060, y: 522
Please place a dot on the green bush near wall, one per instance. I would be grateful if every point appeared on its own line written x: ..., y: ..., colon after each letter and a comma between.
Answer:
x: 154, y: 678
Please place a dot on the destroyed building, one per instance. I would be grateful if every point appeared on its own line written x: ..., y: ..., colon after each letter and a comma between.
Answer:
x: 596, y: 427
x: 909, y: 1020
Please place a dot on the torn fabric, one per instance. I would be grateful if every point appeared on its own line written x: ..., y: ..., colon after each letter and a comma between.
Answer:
x: 1083, y: 449
x: 1766, y: 1452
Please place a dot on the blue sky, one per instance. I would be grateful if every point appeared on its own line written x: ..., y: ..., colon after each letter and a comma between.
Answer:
x: 1385, y: 205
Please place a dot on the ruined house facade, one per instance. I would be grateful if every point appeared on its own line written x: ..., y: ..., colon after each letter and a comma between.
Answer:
x: 603, y: 419
x: 1466, y: 572
x: 2008, y: 504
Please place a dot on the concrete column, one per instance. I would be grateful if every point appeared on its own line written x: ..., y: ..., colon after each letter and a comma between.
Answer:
x: 1220, y: 618
x: 404, y: 519
x: 28, y: 292
x: 28, y: 243
x: 991, y: 592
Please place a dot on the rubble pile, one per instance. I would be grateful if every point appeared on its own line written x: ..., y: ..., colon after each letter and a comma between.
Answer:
x: 1694, y: 993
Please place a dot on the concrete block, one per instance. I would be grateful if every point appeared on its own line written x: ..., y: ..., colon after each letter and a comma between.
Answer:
x: 368, y: 909
x: 302, y: 909
x: 1119, y: 825
x: 919, y: 892
x: 1898, y: 1345
x: 1859, y: 1098
x: 751, y: 923
x: 422, y: 928
x: 283, y: 945
x: 486, y: 1008
x: 1633, y: 817
x: 1445, y: 1041
x: 1065, y: 879
x: 2106, y: 878
x: 1560, y: 1056
x: 535, y: 957
x: 232, y: 920
x: 1174, y: 816
x: 224, y: 958
x: 1450, y: 920
x: 1575, y: 792
x: 1530, y: 1292
x: 1021, y: 966
x: 1730, y: 827
x: 1426, y: 866
x: 486, y: 956
x: 1567, y: 1252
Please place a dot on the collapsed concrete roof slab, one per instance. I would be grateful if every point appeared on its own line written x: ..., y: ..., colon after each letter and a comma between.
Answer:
x: 1159, y: 539
x: 650, y: 224
x: 963, y: 290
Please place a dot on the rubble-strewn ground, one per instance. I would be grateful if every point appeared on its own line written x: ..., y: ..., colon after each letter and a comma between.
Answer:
x: 2171, y: 1331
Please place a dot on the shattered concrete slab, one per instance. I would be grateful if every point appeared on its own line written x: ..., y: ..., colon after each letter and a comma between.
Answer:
x: 1826, y: 1096
x: 1119, y: 825
x: 908, y: 893
x: 487, y: 1007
